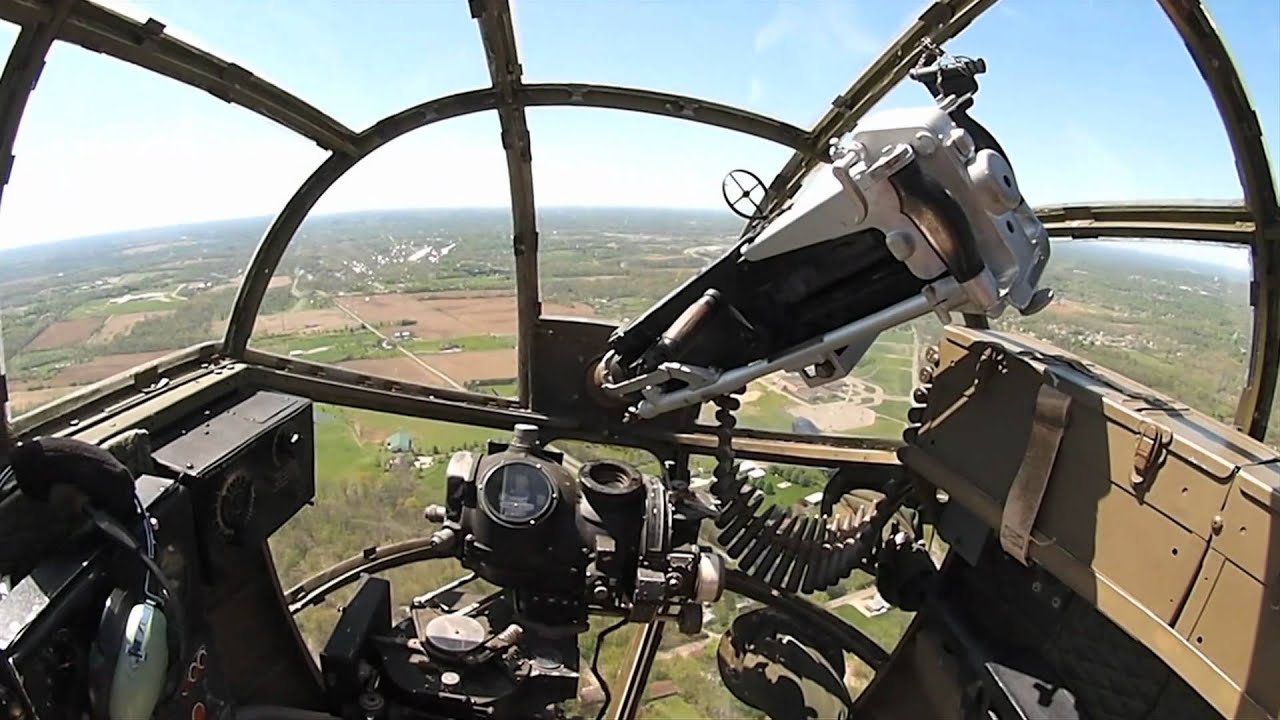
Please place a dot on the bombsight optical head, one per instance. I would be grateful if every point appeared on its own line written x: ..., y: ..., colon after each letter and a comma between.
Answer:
x: 599, y: 541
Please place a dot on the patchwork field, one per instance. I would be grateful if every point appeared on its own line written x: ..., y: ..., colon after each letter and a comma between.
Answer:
x: 296, y: 321
x: 461, y: 367
x: 93, y: 370
x: 65, y: 332
x: 121, y: 325
x: 24, y: 400
x: 397, y: 368
x: 441, y: 315
x: 480, y: 365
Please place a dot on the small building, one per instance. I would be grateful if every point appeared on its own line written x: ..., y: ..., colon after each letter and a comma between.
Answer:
x: 422, y: 462
x: 399, y: 443
x: 754, y: 470
x: 813, y: 500
x: 870, y: 604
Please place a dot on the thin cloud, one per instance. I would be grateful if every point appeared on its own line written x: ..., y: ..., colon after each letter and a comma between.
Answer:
x: 830, y: 23
x: 755, y: 92
x: 1111, y: 172
x: 854, y: 34
x: 779, y: 26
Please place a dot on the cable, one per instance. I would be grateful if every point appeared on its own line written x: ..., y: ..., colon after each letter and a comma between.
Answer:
x: 278, y: 712
x: 595, y: 666
x: 845, y: 635
x: 173, y: 607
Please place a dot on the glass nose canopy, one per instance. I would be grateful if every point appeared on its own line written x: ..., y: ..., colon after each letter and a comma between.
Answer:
x: 512, y: 125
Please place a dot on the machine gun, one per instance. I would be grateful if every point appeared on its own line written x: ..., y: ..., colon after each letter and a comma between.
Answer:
x: 914, y: 214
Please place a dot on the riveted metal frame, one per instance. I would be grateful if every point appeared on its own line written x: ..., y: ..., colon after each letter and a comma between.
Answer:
x: 1226, y: 223
x: 499, y: 39
x: 1244, y: 132
x: 21, y: 72
x: 939, y: 22
x: 146, y: 45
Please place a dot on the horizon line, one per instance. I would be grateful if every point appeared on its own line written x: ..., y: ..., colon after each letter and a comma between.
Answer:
x: 335, y: 213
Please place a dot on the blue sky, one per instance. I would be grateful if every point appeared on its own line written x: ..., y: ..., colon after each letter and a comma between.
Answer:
x: 1093, y: 100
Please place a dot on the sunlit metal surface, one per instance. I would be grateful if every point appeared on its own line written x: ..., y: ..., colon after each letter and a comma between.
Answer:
x: 499, y: 39
x: 1210, y: 222
x: 1245, y: 134
x: 26, y: 60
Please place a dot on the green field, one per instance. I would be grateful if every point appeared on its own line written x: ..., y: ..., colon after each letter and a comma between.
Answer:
x: 886, y: 628
x: 669, y: 708
x: 506, y: 390
x: 767, y: 412
x: 891, y: 416
x: 463, y: 344
x: 362, y: 501
x: 887, y: 365
x: 788, y: 496
x: 99, y: 308
x: 332, y: 347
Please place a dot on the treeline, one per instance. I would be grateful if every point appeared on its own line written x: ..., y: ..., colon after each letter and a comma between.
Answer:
x: 642, y: 460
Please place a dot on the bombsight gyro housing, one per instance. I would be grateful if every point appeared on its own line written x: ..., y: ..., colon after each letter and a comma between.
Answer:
x: 604, y: 540
x: 561, y: 545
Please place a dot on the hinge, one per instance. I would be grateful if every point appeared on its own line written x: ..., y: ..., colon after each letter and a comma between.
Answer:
x: 1153, y: 441
x: 145, y: 380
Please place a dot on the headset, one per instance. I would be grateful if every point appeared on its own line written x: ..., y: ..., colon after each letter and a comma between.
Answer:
x: 135, y: 660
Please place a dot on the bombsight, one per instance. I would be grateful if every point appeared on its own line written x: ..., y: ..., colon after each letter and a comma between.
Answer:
x: 605, y: 540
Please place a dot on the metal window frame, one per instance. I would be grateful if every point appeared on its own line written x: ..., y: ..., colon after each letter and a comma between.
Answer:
x: 1256, y: 223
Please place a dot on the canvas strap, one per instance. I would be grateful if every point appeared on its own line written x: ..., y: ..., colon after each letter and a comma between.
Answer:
x: 1029, y: 485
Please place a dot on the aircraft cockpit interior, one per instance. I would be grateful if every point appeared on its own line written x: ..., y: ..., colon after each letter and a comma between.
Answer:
x: 879, y: 437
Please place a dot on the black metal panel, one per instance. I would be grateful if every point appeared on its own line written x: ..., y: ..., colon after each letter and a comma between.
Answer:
x: 779, y: 302
x: 368, y: 613
x: 251, y: 467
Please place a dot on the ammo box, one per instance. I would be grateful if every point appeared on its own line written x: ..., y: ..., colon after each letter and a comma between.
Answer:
x: 1162, y: 517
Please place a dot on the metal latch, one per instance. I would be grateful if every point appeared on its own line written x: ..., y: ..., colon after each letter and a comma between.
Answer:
x: 1153, y: 441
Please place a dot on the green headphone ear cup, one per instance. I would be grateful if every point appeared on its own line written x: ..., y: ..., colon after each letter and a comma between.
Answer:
x: 129, y: 660
x: 143, y: 664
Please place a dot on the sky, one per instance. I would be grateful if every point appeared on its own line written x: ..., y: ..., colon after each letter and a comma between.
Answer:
x: 1093, y: 100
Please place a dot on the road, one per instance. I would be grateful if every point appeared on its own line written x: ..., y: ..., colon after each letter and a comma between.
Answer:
x: 448, y: 380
